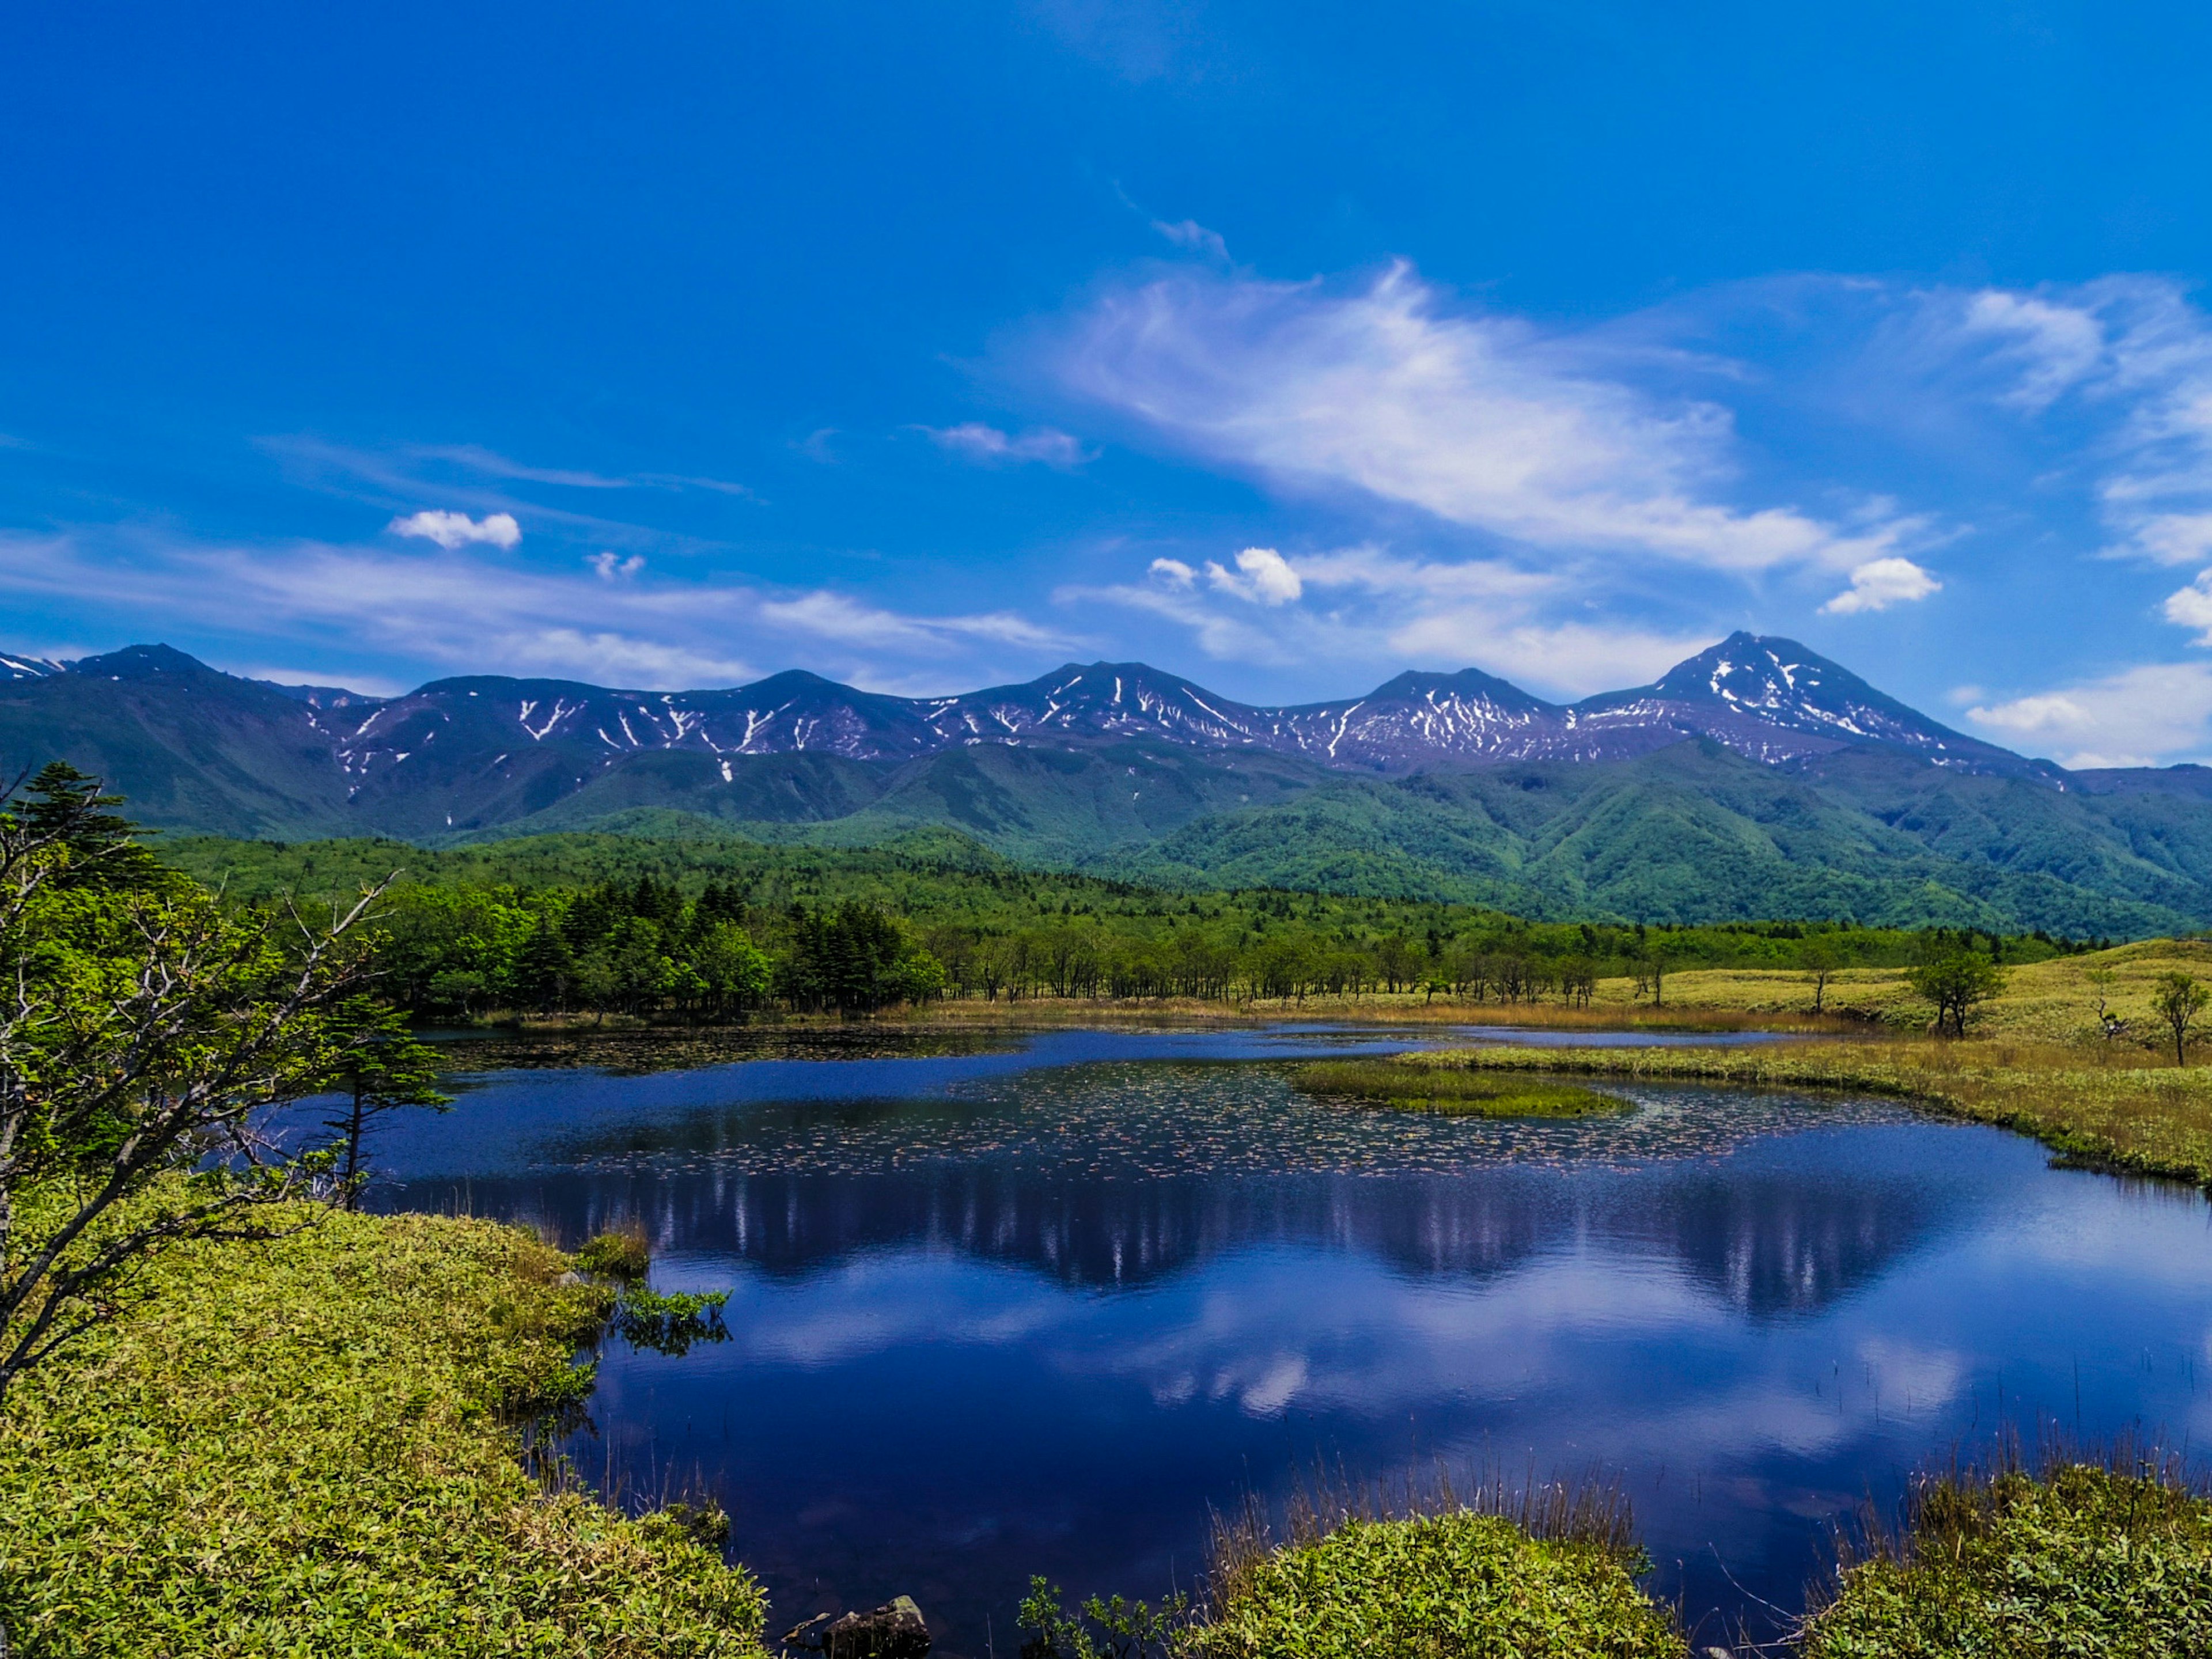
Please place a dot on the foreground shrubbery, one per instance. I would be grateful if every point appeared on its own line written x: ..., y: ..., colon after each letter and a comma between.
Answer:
x: 1463, y: 1583
x: 1542, y: 1572
x: 2087, y: 1560
x: 301, y: 1447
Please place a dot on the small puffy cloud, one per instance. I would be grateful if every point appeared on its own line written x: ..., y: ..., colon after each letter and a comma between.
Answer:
x: 991, y: 447
x: 2150, y: 715
x: 452, y: 530
x: 611, y: 565
x: 2174, y: 537
x: 1172, y: 573
x: 1191, y: 234
x: 1878, y: 584
x: 1262, y: 576
x: 2191, y: 607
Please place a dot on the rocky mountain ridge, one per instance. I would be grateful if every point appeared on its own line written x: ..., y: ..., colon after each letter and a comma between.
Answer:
x: 1755, y: 778
x: 1768, y: 699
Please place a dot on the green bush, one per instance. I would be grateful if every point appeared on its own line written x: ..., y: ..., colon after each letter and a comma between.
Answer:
x: 2084, y: 1561
x: 1436, y: 1588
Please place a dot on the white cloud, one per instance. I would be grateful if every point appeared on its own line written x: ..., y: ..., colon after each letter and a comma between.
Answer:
x: 2174, y: 537
x: 2054, y: 347
x: 456, y: 609
x: 2191, y: 607
x: 452, y: 530
x: 836, y: 617
x: 1482, y: 421
x: 2136, y: 355
x: 1364, y: 610
x: 611, y: 566
x: 475, y: 457
x: 989, y: 445
x: 1881, y: 583
x: 1191, y: 234
x: 1262, y: 576
x: 2148, y: 715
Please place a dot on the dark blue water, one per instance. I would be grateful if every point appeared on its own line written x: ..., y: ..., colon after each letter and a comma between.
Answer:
x: 1030, y: 1305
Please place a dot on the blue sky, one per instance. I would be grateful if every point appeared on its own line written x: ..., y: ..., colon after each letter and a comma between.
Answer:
x: 1283, y: 346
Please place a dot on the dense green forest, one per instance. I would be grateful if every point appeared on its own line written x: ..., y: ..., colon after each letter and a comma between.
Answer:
x: 715, y: 927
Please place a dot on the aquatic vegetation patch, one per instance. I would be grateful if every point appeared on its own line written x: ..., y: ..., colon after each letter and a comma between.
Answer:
x: 622, y: 1253
x: 2139, y: 1120
x: 2083, y: 1558
x: 1454, y: 1093
x: 312, y: 1445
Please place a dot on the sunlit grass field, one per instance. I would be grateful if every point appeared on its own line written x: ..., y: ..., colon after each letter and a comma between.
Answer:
x: 309, y: 1446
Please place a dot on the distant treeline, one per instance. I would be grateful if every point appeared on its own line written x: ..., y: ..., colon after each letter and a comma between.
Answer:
x: 717, y: 930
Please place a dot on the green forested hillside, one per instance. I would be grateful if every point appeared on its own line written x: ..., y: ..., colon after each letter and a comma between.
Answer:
x: 701, y: 922
x: 1691, y: 832
x: 1688, y: 833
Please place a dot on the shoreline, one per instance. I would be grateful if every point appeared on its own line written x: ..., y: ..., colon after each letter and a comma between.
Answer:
x: 2121, y: 1120
x: 1054, y: 1014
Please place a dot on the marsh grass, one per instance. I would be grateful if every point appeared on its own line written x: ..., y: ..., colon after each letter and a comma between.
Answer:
x: 2117, y: 1112
x: 1540, y: 1570
x: 314, y: 1446
x: 1449, y: 1093
x: 624, y: 1252
x: 2107, y: 1551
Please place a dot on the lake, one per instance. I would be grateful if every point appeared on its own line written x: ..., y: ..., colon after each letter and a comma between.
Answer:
x: 1006, y: 1303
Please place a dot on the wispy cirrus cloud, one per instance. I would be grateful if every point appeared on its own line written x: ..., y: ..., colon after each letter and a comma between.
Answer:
x: 460, y: 609
x: 1484, y: 421
x: 468, y: 478
x: 2133, y: 357
x: 973, y: 440
x: 1193, y: 237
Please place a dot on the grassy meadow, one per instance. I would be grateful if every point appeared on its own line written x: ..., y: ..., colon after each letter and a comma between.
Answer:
x: 310, y: 1446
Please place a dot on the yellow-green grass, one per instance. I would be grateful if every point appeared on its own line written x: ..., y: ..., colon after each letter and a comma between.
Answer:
x: 2084, y: 1561
x: 1455, y: 1583
x: 1450, y: 1093
x: 304, y: 1446
x: 1378, y: 1007
x: 2126, y: 1115
x: 2053, y: 1001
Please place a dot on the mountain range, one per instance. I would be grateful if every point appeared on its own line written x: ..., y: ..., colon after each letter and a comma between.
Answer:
x: 1756, y: 778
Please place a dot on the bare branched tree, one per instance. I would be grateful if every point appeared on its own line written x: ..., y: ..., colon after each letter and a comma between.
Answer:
x: 146, y: 1033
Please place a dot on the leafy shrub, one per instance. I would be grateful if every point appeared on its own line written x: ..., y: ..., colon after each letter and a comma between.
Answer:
x: 1460, y: 1583
x: 2085, y: 1558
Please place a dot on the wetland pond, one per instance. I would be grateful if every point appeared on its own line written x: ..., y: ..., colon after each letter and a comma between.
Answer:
x: 1030, y: 1302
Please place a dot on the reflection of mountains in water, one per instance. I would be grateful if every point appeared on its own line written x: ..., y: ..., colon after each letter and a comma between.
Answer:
x: 1169, y: 1119
x: 1768, y: 1242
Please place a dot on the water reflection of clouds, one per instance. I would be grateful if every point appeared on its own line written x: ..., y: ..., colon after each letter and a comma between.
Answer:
x: 1063, y: 1313
x: 878, y: 1305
